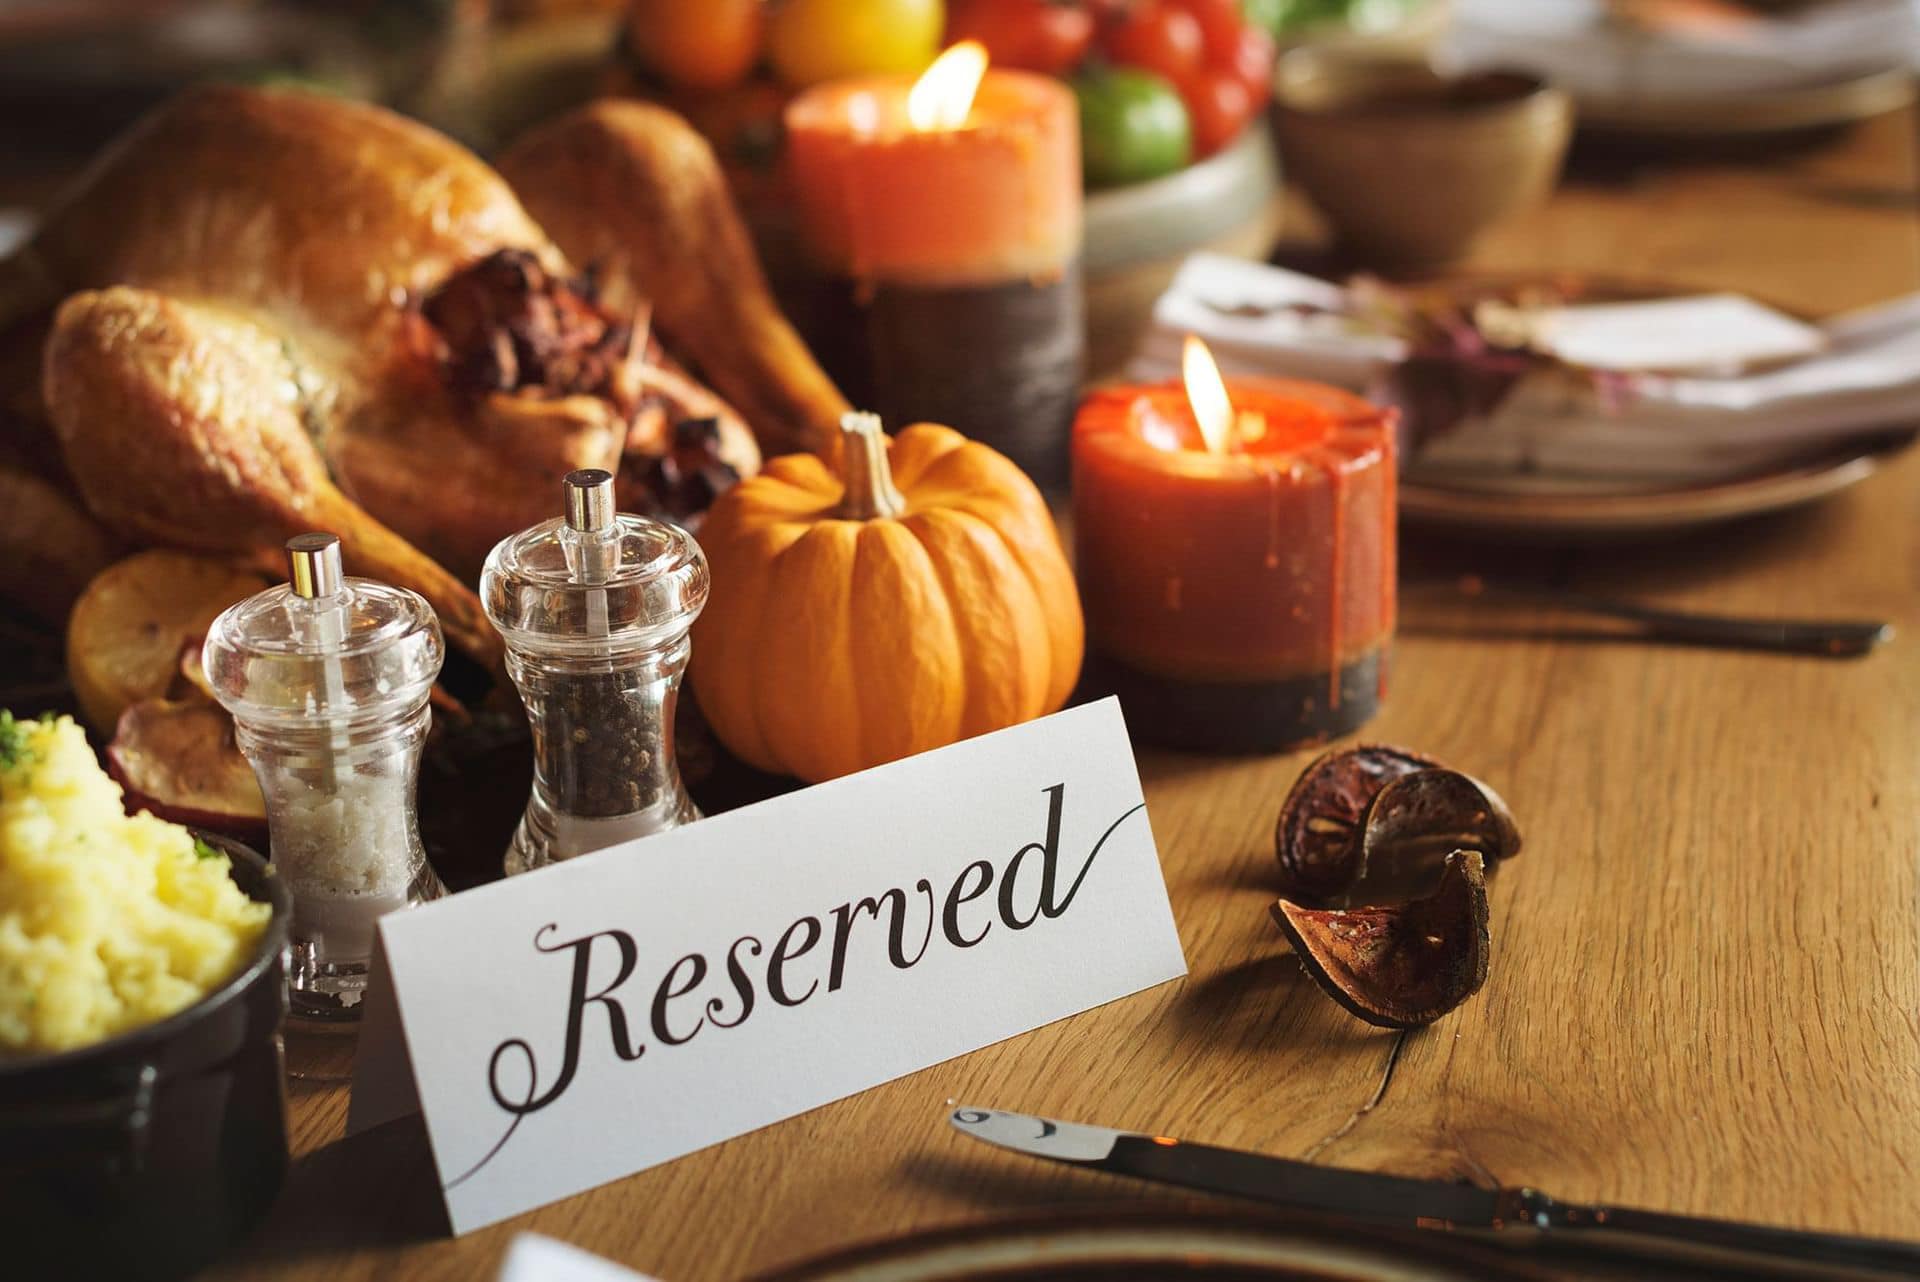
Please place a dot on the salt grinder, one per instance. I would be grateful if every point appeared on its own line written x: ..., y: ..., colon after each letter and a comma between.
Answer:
x: 595, y: 606
x: 328, y: 680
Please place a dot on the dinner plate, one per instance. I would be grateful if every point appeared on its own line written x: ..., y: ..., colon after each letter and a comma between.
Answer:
x: 1814, y: 105
x: 1154, y: 1246
x: 1568, y: 509
x: 1538, y: 509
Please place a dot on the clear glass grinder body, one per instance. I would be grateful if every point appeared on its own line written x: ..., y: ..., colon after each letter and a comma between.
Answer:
x: 328, y: 680
x: 595, y: 606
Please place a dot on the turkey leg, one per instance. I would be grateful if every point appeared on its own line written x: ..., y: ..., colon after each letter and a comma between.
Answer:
x: 181, y: 423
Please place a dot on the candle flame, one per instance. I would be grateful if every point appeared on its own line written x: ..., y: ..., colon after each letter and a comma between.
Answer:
x: 1207, y: 393
x: 943, y: 95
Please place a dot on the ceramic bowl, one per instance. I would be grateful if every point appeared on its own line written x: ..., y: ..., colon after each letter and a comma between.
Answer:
x: 143, y: 1157
x: 1410, y: 167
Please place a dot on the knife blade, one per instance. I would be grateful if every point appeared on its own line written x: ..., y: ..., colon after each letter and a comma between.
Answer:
x: 1436, y: 1204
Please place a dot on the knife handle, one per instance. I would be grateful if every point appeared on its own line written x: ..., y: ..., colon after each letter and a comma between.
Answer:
x: 1758, y: 1247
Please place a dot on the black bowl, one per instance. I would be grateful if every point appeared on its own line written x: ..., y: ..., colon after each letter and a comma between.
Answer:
x: 146, y: 1155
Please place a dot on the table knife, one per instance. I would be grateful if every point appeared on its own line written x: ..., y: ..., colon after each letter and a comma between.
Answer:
x: 1827, y: 638
x: 1512, y: 1215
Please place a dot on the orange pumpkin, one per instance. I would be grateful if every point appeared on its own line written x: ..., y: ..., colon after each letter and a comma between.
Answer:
x: 917, y: 597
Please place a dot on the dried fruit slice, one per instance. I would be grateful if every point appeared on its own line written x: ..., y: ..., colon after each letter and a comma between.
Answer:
x: 1318, y: 834
x: 192, y: 674
x: 177, y: 758
x: 126, y: 630
x: 1404, y: 965
x: 1415, y: 821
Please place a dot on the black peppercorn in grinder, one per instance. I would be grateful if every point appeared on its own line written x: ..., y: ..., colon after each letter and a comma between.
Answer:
x: 595, y: 606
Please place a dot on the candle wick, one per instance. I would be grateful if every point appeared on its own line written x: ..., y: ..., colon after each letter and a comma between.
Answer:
x: 1235, y: 441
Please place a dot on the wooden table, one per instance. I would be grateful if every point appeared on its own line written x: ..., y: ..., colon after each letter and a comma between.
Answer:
x: 1705, y: 992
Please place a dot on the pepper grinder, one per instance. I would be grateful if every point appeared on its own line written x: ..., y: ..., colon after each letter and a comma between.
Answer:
x: 595, y: 606
x: 328, y: 680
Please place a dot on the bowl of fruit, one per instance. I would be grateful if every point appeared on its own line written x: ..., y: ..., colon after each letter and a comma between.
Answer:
x: 731, y: 66
x: 1381, y: 28
x: 1172, y: 95
x: 1174, y: 146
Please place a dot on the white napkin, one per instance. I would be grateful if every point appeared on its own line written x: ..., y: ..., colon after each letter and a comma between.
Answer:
x: 1245, y: 312
x: 533, y: 1258
x: 1694, y: 426
x: 1572, y: 44
x: 1709, y: 333
x: 1698, y: 427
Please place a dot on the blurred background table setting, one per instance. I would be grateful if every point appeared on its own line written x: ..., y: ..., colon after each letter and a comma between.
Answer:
x: 1698, y: 68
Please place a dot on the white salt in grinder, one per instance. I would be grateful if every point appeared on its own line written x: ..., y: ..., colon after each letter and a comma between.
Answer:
x: 328, y: 680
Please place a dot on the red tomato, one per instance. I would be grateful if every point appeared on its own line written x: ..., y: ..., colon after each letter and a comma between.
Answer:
x: 1220, y: 24
x: 1048, y: 36
x: 1158, y: 38
x: 1250, y: 59
x: 1220, y: 107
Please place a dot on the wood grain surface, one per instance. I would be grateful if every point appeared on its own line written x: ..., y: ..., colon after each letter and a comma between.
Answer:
x: 1705, y: 991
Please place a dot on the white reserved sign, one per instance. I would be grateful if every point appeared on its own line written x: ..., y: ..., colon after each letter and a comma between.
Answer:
x: 607, y: 1014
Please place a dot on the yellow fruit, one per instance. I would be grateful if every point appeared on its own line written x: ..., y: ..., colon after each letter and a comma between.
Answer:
x: 127, y: 629
x: 813, y: 40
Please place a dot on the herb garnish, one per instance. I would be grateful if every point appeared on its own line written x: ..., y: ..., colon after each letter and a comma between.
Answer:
x: 207, y: 850
x: 13, y: 737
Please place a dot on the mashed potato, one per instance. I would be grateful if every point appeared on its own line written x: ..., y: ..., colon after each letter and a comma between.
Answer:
x: 107, y: 922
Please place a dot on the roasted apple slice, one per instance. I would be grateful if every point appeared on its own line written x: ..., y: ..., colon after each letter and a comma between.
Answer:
x: 127, y: 629
x: 177, y: 759
x: 1401, y: 965
x: 191, y: 678
x: 1317, y: 836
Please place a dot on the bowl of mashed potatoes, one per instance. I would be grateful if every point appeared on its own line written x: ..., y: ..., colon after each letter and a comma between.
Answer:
x: 142, y: 986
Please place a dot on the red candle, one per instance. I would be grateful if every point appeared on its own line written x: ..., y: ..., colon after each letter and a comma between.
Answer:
x: 986, y: 193
x: 1235, y: 549
x: 942, y: 220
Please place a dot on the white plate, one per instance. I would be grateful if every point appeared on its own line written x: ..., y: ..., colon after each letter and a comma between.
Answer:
x: 1555, y: 510
x: 1817, y: 105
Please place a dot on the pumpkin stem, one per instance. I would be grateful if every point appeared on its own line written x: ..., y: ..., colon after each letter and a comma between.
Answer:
x: 870, y: 492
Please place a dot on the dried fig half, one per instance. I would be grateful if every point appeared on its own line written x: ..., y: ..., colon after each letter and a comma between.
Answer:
x: 1416, y: 821
x: 1401, y: 965
x: 1317, y: 836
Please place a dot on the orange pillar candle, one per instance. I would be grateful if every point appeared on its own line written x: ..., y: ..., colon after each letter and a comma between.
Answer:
x: 943, y: 217
x: 1238, y: 580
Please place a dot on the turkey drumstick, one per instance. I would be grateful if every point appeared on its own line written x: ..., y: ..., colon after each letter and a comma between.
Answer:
x: 178, y: 426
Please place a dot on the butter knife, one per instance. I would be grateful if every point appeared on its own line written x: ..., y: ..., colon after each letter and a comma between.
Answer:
x: 1519, y: 1215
